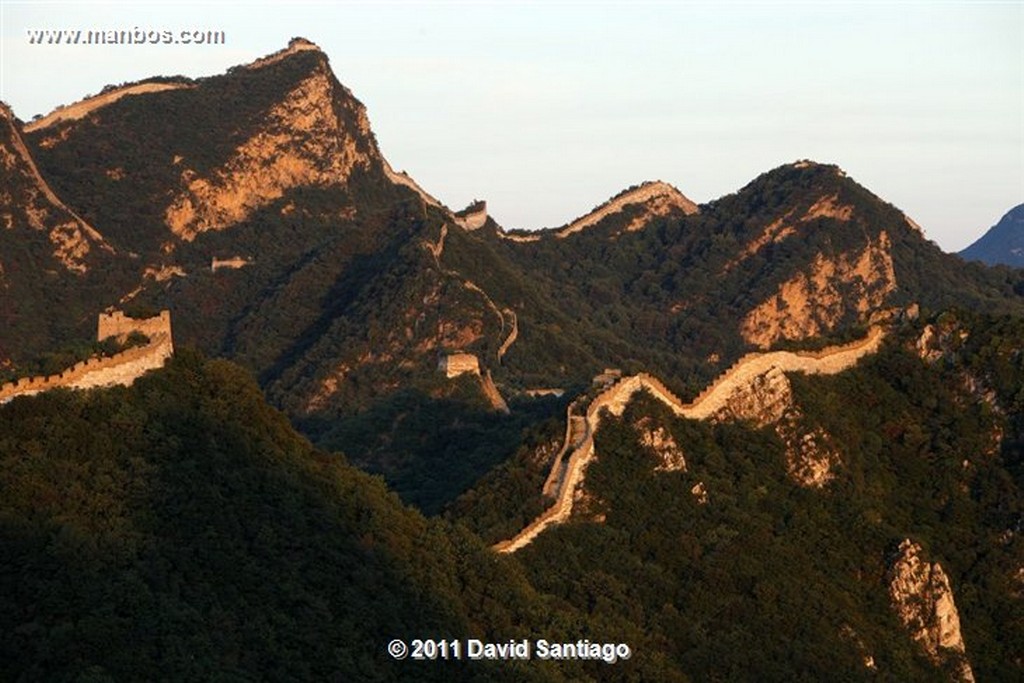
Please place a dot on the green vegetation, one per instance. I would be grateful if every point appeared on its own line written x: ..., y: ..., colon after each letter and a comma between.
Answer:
x: 180, y: 530
x: 769, y: 581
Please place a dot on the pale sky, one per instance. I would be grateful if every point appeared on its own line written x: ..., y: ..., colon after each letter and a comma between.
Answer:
x: 546, y: 109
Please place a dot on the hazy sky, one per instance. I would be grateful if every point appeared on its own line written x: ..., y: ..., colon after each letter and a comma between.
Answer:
x: 545, y: 109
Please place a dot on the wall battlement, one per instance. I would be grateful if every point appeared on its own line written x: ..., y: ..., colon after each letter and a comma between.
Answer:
x: 567, y: 473
x: 122, y: 368
x: 473, y: 217
x: 117, y: 324
x: 233, y: 263
x: 455, y: 364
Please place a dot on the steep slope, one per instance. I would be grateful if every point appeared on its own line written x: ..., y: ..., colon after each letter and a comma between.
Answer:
x: 28, y: 202
x: 258, y: 203
x: 1003, y: 243
x: 257, y: 207
x: 47, y: 252
x: 738, y: 394
x: 211, y: 153
x: 698, y: 528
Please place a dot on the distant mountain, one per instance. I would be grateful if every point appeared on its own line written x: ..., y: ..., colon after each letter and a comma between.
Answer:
x: 1003, y: 243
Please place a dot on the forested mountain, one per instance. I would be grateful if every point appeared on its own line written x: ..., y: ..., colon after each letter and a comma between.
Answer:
x: 256, y: 206
x: 454, y: 356
x: 181, y: 530
x: 1003, y: 243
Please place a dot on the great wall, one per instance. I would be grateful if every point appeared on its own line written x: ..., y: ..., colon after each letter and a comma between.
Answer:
x: 122, y: 368
x: 577, y: 450
x: 405, y: 180
x: 473, y: 217
x: 294, y: 45
x: 83, y: 108
x: 76, y: 245
x: 455, y: 364
x: 658, y: 197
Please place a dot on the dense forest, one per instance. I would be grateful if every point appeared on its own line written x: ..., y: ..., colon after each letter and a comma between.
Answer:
x: 185, y: 517
x: 185, y: 523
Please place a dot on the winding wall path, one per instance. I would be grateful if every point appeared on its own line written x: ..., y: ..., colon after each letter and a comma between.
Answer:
x: 566, y: 474
x: 83, y: 108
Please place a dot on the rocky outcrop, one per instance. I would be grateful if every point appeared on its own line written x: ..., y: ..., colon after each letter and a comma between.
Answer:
x: 814, y: 303
x: 773, y: 233
x: 763, y: 399
x: 922, y: 598
x: 811, y: 455
x: 670, y: 456
x: 302, y: 142
x: 27, y: 201
x: 700, y: 493
x: 767, y: 399
x: 943, y: 339
x: 828, y: 207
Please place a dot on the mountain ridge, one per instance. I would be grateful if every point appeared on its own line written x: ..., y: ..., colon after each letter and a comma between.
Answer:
x: 186, y: 517
x: 350, y: 282
x: 1002, y: 244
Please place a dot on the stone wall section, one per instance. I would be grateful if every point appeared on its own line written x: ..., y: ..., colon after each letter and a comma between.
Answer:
x: 117, y: 324
x: 472, y: 218
x: 80, y: 110
x: 122, y: 368
x: 567, y: 474
x: 232, y: 263
x: 455, y: 364
x: 645, y: 194
x: 512, y: 335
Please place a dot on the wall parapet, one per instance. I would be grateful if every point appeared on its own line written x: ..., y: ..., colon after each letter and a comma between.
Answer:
x: 564, y: 477
x: 121, y: 368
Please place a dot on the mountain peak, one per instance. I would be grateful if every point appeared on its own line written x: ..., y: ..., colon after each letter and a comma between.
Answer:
x: 231, y: 146
x: 316, y: 134
x: 1003, y: 243
x: 295, y: 46
x: 817, y: 165
x: 654, y: 198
